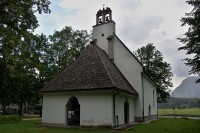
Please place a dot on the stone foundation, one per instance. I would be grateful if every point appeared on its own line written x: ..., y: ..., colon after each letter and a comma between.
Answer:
x: 54, y: 125
x: 146, y: 118
x: 138, y: 119
x: 152, y: 117
x: 81, y: 126
x: 100, y: 126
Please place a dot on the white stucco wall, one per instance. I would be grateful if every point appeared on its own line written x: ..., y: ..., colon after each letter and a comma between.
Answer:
x: 149, y: 98
x: 119, y: 108
x: 53, y: 109
x: 131, y: 69
x: 96, y: 108
x: 106, y: 29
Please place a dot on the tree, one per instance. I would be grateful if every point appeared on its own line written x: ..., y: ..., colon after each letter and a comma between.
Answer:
x: 36, y: 60
x: 66, y: 46
x: 192, y: 37
x: 30, y: 68
x: 157, y: 69
x: 29, y: 72
x: 17, y: 19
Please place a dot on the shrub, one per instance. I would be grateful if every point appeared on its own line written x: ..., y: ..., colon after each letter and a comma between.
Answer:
x: 9, y: 118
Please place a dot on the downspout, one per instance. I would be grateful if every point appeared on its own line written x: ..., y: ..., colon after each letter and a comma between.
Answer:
x: 142, y: 96
x: 157, y: 102
x: 114, y: 112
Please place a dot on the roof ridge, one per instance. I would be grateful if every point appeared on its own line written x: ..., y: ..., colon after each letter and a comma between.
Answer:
x: 120, y: 73
x: 104, y: 65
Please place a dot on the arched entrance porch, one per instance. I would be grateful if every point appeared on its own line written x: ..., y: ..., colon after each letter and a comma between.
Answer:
x: 73, y: 112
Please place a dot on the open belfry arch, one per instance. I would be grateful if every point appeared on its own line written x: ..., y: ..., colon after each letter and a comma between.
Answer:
x: 106, y: 86
x: 103, y: 16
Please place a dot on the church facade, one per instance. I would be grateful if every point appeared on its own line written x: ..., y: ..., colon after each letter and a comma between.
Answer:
x: 105, y: 86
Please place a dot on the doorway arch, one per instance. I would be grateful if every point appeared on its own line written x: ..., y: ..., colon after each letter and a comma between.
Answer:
x: 73, y: 112
x: 126, y: 111
x: 149, y: 110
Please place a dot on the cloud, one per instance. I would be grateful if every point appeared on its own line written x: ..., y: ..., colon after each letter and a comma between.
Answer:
x: 57, y: 20
x: 182, y: 4
x: 130, y: 4
x: 138, y: 30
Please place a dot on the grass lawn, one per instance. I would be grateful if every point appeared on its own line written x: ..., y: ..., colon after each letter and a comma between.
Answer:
x: 189, y: 111
x: 162, y: 125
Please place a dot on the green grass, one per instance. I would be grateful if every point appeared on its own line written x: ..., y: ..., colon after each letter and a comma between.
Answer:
x: 170, y: 125
x: 9, y: 118
x: 189, y: 111
x: 162, y: 125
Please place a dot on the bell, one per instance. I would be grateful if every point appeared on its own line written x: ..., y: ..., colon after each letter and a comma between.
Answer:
x: 107, y: 18
x: 100, y: 21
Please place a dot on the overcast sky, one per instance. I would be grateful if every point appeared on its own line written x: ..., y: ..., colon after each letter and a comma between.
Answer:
x: 138, y: 22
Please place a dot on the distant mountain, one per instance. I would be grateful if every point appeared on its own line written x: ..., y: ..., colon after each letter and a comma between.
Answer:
x: 188, y: 88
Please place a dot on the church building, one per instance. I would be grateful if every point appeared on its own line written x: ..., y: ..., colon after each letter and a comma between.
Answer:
x: 106, y: 86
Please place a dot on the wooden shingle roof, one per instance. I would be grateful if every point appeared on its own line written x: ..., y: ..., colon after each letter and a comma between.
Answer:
x: 93, y: 70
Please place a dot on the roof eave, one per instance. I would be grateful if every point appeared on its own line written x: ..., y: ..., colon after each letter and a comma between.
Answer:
x: 92, y: 89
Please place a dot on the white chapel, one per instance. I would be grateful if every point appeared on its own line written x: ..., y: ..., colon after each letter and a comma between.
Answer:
x: 106, y: 86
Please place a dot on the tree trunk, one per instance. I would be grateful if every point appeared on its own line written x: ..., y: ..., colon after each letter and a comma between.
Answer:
x: 28, y: 108
x: 21, y: 110
x: 41, y: 111
x: 4, y: 109
x: 1, y: 72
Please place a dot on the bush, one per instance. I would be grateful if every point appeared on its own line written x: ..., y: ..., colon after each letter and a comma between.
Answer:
x: 9, y: 118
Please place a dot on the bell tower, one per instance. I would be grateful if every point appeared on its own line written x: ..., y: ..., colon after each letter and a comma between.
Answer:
x: 104, y: 29
x: 103, y: 16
